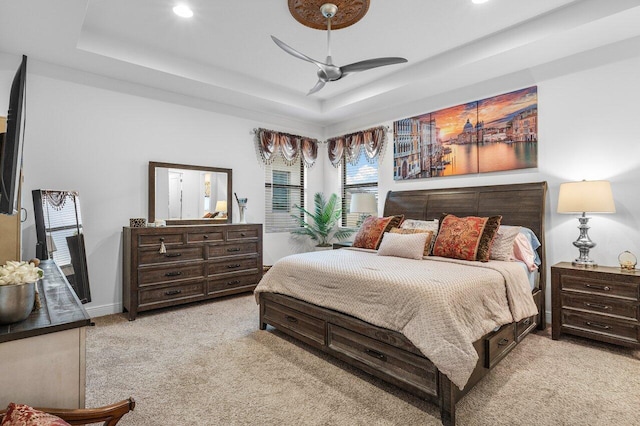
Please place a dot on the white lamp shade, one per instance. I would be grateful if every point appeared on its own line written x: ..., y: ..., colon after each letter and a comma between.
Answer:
x: 363, y: 202
x: 221, y: 206
x: 586, y: 196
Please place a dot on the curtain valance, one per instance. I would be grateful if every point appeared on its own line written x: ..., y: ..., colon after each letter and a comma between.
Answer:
x: 350, y: 146
x: 270, y: 143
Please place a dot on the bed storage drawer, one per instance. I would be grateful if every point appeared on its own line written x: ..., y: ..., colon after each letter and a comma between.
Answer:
x: 499, y: 344
x: 524, y: 326
x: 393, y: 362
x: 304, y: 327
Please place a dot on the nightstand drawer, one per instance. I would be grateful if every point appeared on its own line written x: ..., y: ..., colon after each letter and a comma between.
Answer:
x: 595, y: 286
x: 601, y: 305
x: 601, y: 325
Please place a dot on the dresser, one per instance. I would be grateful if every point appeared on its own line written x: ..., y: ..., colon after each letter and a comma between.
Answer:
x: 173, y: 265
x: 602, y: 303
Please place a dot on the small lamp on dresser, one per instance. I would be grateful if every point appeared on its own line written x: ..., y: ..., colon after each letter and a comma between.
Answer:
x: 583, y: 197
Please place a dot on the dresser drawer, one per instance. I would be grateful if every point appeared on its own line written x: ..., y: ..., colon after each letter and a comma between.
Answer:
x: 394, y: 362
x: 180, y: 254
x: 232, y: 282
x: 242, y: 234
x: 499, y: 345
x: 155, y: 239
x: 596, y: 286
x: 149, y: 276
x: 231, y: 249
x: 175, y: 292
x: 207, y: 236
x: 233, y: 265
x: 601, y: 325
x: 304, y: 327
x: 602, y: 305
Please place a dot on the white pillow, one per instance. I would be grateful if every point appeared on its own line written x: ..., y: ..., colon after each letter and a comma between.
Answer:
x: 410, y: 246
x: 502, y: 246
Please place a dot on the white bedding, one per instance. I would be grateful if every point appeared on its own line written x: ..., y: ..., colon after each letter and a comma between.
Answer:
x: 441, y: 305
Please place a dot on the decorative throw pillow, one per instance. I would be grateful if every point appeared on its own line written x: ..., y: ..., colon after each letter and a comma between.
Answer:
x: 467, y: 238
x: 410, y: 246
x: 427, y: 225
x: 502, y: 247
x: 23, y: 415
x: 428, y: 242
x: 370, y: 233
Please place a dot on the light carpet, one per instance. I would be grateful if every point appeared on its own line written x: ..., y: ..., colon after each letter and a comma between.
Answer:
x: 209, y: 364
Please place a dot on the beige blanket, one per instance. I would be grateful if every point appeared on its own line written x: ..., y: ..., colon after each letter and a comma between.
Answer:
x: 441, y: 305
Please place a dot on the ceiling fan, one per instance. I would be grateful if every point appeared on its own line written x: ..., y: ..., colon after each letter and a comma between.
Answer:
x: 327, y: 71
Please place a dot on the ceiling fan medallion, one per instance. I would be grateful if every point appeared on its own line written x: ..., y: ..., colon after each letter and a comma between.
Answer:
x: 327, y: 71
x: 306, y: 12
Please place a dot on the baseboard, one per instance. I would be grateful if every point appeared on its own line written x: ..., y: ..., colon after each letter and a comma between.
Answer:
x: 100, y: 311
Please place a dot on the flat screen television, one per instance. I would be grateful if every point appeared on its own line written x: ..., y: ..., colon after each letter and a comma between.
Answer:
x: 11, y: 144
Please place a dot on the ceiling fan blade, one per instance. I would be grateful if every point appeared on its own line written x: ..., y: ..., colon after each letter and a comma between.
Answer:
x: 291, y: 51
x: 369, y: 64
x: 319, y: 85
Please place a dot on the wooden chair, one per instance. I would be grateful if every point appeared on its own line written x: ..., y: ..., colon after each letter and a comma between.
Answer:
x: 109, y: 414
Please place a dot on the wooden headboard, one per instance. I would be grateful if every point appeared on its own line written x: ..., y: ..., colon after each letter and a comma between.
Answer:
x: 519, y: 204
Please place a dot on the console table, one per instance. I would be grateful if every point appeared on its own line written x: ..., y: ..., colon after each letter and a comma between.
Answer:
x: 43, y: 357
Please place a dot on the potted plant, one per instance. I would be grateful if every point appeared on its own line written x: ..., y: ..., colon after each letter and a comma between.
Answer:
x: 321, y: 226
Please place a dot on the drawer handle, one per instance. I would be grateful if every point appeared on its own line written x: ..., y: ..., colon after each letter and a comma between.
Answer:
x: 503, y: 342
x: 205, y: 236
x: 233, y: 249
x: 233, y: 282
x: 291, y: 319
x: 596, y: 325
x: 527, y: 321
x: 242, y: 234
x: 173, y: 274
x: 161, y: 239
x: 375, y: 354
x: 172, y: 292
x: 235, y: 265
x: 172, y: 254
x: 597, y: 306
x: 598, y: 287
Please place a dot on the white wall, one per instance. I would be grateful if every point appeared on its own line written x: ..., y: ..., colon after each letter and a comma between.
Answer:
x: 99, y: 142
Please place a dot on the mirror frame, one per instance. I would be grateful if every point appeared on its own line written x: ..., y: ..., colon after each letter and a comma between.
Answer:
x: 195, y: 221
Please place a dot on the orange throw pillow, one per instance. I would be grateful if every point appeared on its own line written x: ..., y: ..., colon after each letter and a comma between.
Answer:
x: 370, y: 233
x: 466, y: 238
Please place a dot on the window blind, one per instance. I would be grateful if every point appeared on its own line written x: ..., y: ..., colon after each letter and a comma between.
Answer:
x: 361, y: 177
x: 284, y: 187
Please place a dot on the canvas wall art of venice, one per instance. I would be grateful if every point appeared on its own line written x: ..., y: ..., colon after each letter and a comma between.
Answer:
x: 490, y: 135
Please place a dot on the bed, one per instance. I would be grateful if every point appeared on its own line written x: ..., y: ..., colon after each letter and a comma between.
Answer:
x: 392, y: 353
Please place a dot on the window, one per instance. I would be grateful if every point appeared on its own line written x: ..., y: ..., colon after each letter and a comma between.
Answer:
x: 284, y: 187
x: 363, y: 177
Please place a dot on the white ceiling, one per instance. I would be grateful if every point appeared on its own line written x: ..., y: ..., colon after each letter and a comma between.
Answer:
x: 224, y: 54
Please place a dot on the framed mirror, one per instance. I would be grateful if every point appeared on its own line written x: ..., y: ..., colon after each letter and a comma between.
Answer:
x: 60, y: 236
x: 183, y: 194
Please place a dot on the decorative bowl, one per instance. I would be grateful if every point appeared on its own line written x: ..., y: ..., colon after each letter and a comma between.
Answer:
x: 16, y: 302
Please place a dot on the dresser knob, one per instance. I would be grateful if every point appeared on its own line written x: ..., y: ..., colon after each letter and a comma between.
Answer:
x: 242, y: 234
x: 205, y: 236
x: 598, y: 287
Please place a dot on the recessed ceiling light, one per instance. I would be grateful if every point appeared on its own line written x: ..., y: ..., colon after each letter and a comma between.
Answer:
x: 479, y: 1
x: 184, y: 11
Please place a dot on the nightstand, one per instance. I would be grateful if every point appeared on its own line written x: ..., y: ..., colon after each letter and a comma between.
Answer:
x: 602, y: 303
x: 342, y: 244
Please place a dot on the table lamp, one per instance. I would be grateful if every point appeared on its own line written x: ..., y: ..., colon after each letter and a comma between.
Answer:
x: 582, y: 197
x: 221, y: 206
x: 363, y: 203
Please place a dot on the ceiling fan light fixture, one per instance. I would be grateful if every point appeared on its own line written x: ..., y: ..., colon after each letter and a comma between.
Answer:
x: 183, y: 11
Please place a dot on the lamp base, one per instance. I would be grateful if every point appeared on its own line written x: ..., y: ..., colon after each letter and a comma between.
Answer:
x: 578, y: 263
